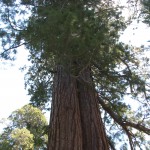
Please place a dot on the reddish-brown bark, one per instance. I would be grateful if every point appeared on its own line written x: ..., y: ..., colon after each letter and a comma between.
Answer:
x: 75, y: 122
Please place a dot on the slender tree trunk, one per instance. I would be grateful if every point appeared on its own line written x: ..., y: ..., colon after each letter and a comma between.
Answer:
x: 75, y: 122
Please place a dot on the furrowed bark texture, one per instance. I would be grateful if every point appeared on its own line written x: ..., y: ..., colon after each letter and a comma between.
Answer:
x: 93, y: 132
x: 65, y: 121
x: 75, y: 122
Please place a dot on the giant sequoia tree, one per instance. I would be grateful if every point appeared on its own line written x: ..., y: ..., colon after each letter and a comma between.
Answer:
x: 79, y: 64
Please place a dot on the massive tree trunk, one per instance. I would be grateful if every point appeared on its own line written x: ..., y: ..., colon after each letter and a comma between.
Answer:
x: 75, y: 122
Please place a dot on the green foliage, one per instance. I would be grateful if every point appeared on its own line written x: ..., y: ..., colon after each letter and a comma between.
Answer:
x: 78, y: 35
x: 27, y: 129
x: 22, y: 139
x: 145, y: 12
x: 72, y: 33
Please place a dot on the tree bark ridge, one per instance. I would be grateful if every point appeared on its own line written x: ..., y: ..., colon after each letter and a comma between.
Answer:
x: 75, y: 122
x: 93, y: 132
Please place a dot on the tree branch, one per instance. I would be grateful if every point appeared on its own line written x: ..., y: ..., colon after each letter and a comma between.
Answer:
x: 129, y: 137
x: 8, y: 18
x: 12, y: 47
x: 123, y: 123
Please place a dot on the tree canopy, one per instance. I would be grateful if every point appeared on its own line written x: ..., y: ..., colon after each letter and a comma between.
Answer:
x: 79, y: 35
x: 26, y: 130
x: 22, y: 139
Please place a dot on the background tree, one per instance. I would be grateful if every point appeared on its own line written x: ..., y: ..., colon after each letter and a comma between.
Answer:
x: 27, y: 130
x: 22, y: 139
x: 78, y: 61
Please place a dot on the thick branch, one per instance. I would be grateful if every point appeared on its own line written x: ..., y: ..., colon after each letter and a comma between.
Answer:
x: 137, y: 126
x: 121, y: 121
